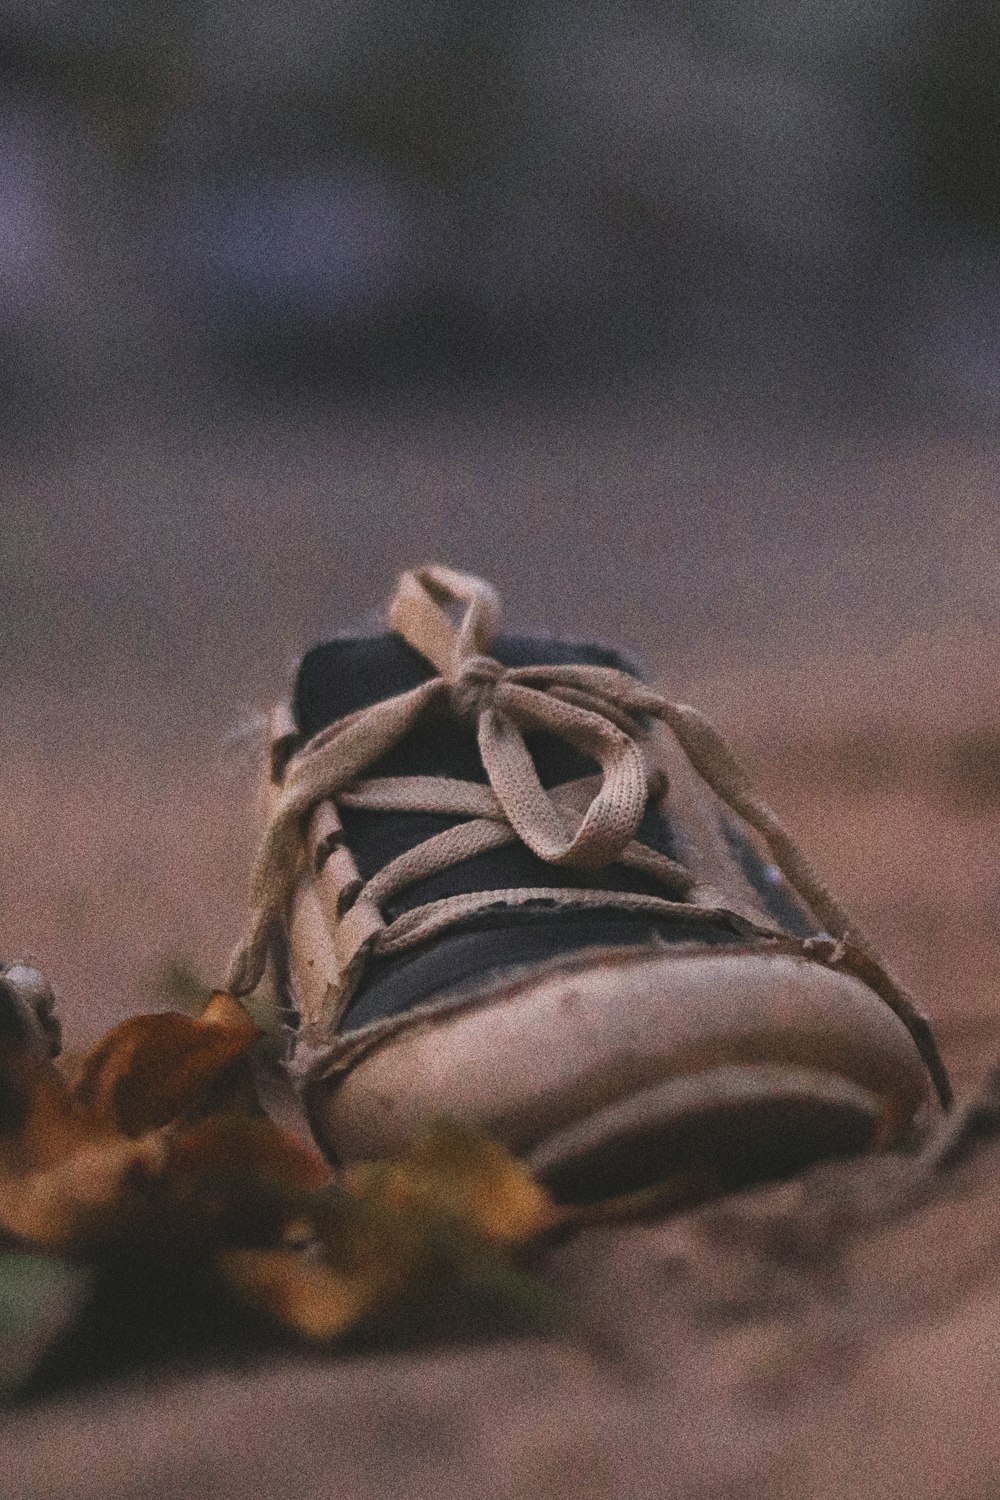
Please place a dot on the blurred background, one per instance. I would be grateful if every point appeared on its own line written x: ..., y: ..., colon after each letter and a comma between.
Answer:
x: 682, y: 322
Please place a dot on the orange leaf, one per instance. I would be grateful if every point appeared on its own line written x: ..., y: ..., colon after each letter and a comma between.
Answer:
x: 234, y: 1145
x: 86, y: 1200
x: 48, y: 1125
x: 92, y: 1168
x: 238, y: 1179
x: 152, y: 1070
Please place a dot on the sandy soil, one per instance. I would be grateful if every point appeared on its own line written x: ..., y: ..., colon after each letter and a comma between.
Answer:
x: 804, y: 1340
x: 835, y: 1337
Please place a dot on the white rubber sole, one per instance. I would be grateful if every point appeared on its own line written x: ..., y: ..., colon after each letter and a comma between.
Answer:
x: 609, y: 1074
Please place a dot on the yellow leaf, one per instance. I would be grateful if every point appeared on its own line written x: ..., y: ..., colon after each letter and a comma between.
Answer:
x: 162, y: 1149
x: 456, y: 1172
x: 312, y: 1298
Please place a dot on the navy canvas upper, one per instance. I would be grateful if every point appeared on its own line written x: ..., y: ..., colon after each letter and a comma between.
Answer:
x: 343, y: 675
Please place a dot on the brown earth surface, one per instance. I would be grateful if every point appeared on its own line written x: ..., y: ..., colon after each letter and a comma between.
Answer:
x: 836, y: 1336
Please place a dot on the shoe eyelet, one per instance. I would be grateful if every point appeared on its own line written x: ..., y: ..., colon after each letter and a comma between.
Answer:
x: 347, y: 896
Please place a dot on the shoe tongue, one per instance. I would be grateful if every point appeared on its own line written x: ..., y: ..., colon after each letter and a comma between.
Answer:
x: 342, y: 676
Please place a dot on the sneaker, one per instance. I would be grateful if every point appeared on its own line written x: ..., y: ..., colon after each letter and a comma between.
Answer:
x: 504, y: 881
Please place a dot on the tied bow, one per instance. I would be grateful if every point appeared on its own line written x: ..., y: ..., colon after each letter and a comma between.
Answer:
x: 595, y: 709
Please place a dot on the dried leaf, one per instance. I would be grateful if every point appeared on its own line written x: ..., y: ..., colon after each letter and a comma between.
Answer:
x: 232, y: 1144
x: 46, y: 1127
x: 151, y: 1070
x: 312, y: 1299
x: 418, y: 1285
x: 89, y: 1200
x: 236, y: 1179
x: 466, y: 1177
x: 162, y: 1152
x: 88, y: 1171
x: 41, y: 1129
x: 408, y: 1235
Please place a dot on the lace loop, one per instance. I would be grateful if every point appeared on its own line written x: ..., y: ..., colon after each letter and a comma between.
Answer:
x: 418, y: 613
x: 474, y: 687
x: 588, y: 706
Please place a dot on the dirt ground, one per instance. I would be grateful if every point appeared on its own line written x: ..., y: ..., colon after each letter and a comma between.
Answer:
x: 834, y: 1337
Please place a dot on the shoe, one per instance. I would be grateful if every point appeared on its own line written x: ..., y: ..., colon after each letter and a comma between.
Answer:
x: 504, y: 881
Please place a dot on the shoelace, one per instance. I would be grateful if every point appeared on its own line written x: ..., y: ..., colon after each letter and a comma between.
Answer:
x: 587, y: 824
